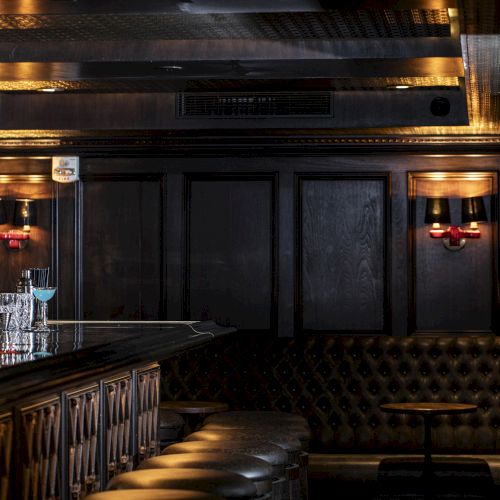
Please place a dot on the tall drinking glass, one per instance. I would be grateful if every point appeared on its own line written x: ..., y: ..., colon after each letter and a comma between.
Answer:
x: 7, y: 307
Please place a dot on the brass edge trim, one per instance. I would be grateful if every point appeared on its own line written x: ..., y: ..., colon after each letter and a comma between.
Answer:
x: 219, y: 141
x: 24, y: 178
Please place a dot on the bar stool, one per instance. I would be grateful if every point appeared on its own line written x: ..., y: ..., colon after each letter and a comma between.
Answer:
x: 302, y: 433
x: 193, y: 412
x: 261, y: 416
x: 268, y: 420
x: 153, y: 494
x: 257, y: 470
x: 171, y: 426
x: 217, y: 482
x: 271, y: 453
x: 290, y: 444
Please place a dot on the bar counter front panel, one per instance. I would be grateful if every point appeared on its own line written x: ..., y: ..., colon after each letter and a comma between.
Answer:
x: 80, y: 404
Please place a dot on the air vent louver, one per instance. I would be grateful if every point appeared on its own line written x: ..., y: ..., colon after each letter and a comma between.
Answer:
x: 255, y: 104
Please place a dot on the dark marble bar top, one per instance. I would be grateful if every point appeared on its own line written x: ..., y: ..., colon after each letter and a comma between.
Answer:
x: 73, y: 352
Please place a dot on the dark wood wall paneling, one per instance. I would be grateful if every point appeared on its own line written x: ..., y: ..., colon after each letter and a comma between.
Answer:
x: 121, y: 246
x: 230, y: 241
x: 342, y: 271
x: 264, y: 243
x: 66, y: 249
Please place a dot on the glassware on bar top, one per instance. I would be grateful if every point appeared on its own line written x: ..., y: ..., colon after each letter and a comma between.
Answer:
x: 39, y: 278
x: 43, y: 294
x: 6, y: 311
x: 21, y: 317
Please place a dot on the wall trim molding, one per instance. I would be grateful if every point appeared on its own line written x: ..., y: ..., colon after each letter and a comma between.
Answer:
x: 173, y: 143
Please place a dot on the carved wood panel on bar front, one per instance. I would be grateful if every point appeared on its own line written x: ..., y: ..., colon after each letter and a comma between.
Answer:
x: 148, y: 402
x: 84, y: 475
x: 6, y: 431
x: 40, y: 442
x: 118, y: 456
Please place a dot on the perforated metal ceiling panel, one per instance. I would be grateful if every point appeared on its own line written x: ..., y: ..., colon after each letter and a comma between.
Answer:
x: 175, y: 32
x: 274, y: 26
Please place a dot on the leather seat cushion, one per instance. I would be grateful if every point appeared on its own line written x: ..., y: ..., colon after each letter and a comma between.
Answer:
x: 257, y: 470
x: 367, y: 467
x: 153, y: 494
x: 218, y: 482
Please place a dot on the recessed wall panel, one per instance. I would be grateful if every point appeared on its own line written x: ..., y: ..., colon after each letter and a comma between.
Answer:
x: 342, y: 253
x: 38, y: 252
x: 452, y: 289
x: 121, y: 248
x: 230, y: 250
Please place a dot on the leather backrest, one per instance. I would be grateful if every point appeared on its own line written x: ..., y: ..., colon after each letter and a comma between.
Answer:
x: 338, y: 383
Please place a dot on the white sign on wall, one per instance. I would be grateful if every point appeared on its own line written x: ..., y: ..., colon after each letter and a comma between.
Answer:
x: 65, y: 168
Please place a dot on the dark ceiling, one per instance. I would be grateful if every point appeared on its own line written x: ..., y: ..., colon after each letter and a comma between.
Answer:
x: 229, y: 54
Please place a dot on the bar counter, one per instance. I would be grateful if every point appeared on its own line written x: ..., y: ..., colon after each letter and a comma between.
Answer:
x: 80, y: 403
x: 75, y: 350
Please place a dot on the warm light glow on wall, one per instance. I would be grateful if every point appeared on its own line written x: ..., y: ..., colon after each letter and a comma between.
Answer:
x: 32, y: 178
x: 454, y: 185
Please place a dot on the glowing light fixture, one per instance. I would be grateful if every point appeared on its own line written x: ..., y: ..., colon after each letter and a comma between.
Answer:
x: 473, y: 211
x: 24, y: 215
x: 50, y: 90
x: 437, y: 212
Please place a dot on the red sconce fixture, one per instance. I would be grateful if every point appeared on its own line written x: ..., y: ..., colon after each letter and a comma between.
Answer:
x: 437, y: 212
x: 25, y: 216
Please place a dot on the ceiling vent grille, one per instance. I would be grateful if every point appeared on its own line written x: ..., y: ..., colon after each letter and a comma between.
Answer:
x: 255, y: 104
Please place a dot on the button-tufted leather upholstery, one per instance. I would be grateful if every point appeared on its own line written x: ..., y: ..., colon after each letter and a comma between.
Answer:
x: 362, y: 373
x: 338, y: 383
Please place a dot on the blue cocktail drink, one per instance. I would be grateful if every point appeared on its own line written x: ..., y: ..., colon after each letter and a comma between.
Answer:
x: 43, y: 295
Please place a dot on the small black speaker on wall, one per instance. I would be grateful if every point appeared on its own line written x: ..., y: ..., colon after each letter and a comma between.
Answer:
x: 440, y: 106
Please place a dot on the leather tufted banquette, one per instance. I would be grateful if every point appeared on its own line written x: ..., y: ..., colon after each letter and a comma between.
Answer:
x: 338, y: 383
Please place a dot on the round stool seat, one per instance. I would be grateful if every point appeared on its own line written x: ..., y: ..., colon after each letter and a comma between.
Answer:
x: 257, y: 416
x: 271, y: 453
x: 299, y: 431
x: 170, y: 419
x: 193, y: 412
x: 171, y: 425
x: 194, y: 407
x: 257, y: 470
x: 290, y: 444
x: 217, y: 482
x: 153, y: 494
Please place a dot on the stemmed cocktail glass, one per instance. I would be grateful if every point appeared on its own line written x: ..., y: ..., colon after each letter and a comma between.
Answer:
x: 43, y: 294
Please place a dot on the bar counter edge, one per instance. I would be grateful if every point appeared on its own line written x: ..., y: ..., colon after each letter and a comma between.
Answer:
x: 64, y: 371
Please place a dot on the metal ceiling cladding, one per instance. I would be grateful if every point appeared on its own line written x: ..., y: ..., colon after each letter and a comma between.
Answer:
x: 320, y: 48
x: 182, y: 26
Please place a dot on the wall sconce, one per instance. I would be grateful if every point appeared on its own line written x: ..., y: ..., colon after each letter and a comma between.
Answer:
x: 25, y: 216
x: 437, y: 212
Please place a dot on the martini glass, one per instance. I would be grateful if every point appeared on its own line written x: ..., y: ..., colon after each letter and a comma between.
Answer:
x: 43, y: 295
